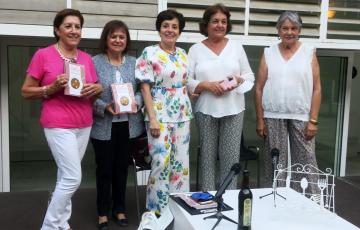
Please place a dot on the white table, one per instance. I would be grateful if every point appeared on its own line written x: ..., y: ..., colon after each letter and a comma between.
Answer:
x: 296, y: 213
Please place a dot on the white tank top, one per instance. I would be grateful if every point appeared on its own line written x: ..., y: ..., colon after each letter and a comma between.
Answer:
x: 289, y: 86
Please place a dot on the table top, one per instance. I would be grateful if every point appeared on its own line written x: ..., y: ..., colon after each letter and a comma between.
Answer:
x: 295, y: 213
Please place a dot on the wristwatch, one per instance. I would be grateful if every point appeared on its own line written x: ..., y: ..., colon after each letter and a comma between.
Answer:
x: 314, y: 121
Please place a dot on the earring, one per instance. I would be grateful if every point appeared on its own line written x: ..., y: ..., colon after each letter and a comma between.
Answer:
x: 279, y: 37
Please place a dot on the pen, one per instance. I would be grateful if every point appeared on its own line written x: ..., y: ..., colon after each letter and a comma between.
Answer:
x: 208, y: 210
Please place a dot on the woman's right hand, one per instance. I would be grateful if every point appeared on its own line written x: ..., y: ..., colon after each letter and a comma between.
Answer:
x: 214, y: 87
x: 261, y: 128
x: 154, y: 128
x: 110, y: 109
x: 60, y: 82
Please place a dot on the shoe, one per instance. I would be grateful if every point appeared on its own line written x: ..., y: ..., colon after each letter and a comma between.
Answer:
x: 103, y: 226
x: 121, y: 222
x: 148, y: 221
x: 165, y: 219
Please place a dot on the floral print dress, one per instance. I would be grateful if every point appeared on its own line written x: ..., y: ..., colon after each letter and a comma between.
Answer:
x: 168, y: 76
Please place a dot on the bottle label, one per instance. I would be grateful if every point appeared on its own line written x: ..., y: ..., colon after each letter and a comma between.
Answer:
x: 247, y: 212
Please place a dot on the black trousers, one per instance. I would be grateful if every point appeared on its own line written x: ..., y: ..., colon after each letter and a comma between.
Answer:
x: 112, y: 160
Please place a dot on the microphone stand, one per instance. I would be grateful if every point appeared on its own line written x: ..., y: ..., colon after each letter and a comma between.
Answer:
x: 235, y: 169
x: 274, y: 190
x: 218, y: 215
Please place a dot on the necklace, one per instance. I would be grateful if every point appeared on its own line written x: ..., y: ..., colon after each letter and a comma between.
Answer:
x: 69, y: 60
x: 171, y: 51
x: 122, y: 60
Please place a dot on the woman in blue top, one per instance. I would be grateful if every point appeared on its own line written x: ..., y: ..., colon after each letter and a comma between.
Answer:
x: 111, y: 132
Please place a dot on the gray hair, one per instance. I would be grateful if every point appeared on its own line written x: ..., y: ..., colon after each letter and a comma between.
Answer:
x: 292, y: 16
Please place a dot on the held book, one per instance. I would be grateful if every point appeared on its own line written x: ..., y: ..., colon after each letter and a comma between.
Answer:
x: 76, y: 73
x: 124, y: 99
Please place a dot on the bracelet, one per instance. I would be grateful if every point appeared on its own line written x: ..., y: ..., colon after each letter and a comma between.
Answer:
x: 314, y: 121
x: 44, y: 91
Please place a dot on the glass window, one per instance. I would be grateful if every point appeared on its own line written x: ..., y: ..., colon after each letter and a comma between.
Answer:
x: 31, y: 164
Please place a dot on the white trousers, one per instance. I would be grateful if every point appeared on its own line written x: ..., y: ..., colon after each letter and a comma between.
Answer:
x: 68, y: 147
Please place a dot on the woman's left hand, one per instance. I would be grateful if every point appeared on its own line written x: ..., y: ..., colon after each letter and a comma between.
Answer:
x: 193, y: 95
x: 310, y: 131
x: 239, y: 81
x: 91, y: 89
x: 136, y: 105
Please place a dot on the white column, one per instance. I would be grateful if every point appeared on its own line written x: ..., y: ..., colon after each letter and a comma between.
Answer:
x: 324, y: 19
x: 68, y: 3
x: 4, y: 123
x: 162, y: 5
x: 247, y: 17
x: 346, y: 115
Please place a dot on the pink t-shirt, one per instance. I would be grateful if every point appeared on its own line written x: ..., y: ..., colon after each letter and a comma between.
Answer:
x: 59, y: 110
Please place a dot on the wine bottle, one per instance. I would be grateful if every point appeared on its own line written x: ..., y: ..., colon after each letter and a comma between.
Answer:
x: 245, y: 203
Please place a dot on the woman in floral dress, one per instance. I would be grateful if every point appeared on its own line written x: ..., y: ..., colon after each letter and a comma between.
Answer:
x: 162, y: 70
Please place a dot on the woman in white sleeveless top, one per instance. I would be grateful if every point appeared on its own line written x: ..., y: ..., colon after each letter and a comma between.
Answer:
x: 288, y: 96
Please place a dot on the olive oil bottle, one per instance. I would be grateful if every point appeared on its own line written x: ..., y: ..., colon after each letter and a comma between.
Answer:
x: 245, y: 203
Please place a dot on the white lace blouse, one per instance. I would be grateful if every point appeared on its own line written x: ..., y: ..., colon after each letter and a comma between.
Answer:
x: 289, y: 86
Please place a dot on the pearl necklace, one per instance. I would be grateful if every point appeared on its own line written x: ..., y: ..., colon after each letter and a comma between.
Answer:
x: 69, y: 60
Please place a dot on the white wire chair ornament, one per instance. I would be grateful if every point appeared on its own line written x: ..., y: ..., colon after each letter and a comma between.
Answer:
x: 320, y: 188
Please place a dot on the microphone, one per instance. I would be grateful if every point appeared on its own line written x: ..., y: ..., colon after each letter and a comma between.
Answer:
x: 235, y: 169
x: 275, y: 158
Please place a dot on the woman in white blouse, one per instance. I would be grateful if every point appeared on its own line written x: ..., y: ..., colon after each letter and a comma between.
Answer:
x: 288, y: 96
x: 215, y: 63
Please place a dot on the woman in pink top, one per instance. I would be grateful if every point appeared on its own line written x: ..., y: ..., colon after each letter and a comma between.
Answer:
x: 67, y: 120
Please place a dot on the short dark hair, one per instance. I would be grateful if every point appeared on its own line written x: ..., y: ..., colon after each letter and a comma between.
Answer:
x: 109, y: 28
x: 170, y: 15
x: 210, y: 11
x: 61, y: 15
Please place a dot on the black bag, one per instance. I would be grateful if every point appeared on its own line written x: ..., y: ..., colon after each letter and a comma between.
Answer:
x: 140, y: 151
